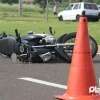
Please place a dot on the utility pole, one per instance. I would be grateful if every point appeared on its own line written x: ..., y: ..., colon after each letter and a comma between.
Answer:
x: 20, y: 7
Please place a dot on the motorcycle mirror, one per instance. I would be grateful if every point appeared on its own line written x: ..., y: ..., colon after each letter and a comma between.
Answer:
x: 16, y: 31
x: 18, y: 38
x: 50, y: 30
x: 54, y: 32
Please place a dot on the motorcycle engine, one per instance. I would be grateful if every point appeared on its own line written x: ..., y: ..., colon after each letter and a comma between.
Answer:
x: 49, y: 39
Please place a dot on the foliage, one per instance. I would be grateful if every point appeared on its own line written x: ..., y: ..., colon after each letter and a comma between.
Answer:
x: 41, y: 3
x: 9, y: 1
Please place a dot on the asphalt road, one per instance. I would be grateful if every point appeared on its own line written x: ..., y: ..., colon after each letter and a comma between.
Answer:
x: 35, y: 81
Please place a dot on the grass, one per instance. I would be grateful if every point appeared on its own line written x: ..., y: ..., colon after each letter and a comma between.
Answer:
x: 34, y: 20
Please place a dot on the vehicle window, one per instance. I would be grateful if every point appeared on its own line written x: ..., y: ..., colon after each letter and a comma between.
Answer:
x: 79, y: 7
x: 90, y: 6
x: 76, y: 6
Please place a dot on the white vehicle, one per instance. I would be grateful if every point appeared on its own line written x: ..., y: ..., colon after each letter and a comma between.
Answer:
x: 99, y: 10
x: 75, y: 10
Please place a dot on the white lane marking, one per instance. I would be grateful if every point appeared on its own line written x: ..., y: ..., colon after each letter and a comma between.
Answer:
x: 34, y: 80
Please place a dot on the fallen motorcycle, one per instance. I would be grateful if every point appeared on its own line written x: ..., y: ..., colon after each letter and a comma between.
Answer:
x: 41, y: 47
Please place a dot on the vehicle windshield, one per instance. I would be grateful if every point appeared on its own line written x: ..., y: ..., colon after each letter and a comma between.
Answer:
x: 90, y: 6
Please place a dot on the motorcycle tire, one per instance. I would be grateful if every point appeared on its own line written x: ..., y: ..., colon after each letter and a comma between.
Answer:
x: 66, y: 52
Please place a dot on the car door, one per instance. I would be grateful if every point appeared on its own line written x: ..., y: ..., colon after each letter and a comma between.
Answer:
x: 76, y: 11
x: 67, y: 12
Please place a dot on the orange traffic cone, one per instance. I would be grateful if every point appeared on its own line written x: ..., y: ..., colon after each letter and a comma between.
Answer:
x: 81, y: 75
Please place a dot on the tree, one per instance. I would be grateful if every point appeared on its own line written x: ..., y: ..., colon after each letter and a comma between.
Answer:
x: 55, y: 7
x: 9, y: 1
x: 41, y: 3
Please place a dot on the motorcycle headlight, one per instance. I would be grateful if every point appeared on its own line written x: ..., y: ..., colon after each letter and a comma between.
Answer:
x: 50, y: 39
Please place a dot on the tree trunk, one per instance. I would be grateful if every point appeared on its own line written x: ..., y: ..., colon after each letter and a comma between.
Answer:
x: 55, y: 7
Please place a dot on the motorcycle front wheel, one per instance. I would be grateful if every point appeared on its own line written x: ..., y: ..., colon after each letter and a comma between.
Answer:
x: 67, y: 51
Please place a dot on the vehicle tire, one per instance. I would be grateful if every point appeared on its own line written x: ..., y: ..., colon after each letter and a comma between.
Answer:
x: 93, y: 19
x: 66, y: 54
x: 99, y: 15
x: 60, y: 18
x: 77, y: 17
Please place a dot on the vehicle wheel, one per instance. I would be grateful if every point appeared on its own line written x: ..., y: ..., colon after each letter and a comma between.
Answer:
x: 68, y: 50
x: 94, y: 19
x: 99, y: 15
x: 60, y: 18
x: 77, y: 17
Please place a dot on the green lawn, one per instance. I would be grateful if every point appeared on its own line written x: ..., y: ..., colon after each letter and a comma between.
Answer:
x: 33, y: 20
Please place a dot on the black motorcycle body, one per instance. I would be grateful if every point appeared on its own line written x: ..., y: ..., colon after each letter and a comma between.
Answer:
x: 40, y: 47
